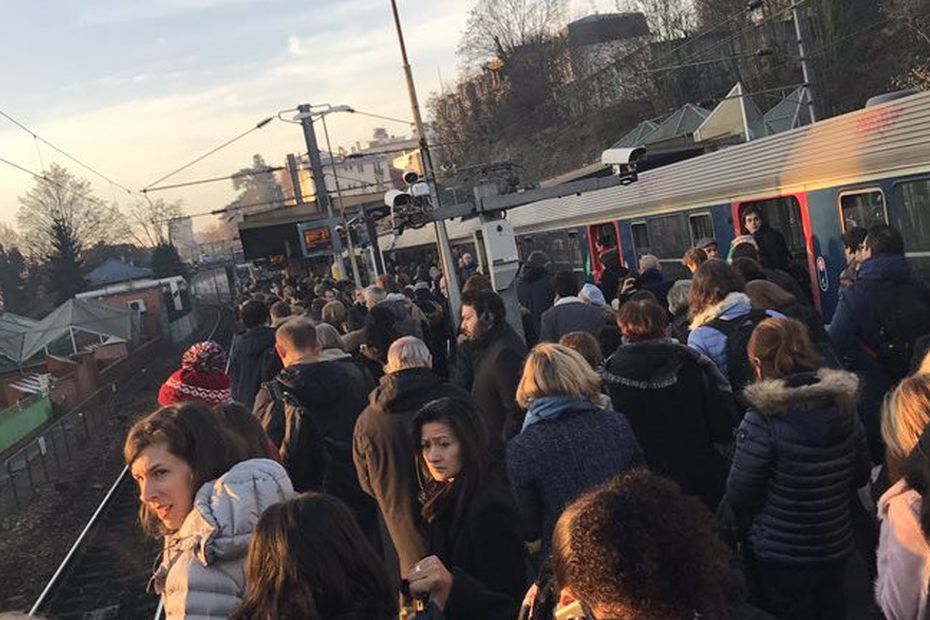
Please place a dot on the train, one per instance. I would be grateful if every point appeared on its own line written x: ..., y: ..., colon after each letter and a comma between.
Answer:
x: 862, y: 168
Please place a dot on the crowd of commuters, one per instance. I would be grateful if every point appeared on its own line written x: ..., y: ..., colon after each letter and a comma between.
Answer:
x: 700, y: 448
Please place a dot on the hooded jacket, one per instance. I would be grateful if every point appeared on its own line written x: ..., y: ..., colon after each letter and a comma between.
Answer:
x: 382, y: 449
x: 554, y: 460
x: 201, y: 574
x: 246, y: 362
x: 712, y: 342
x: 679, y: 406
x: 800, y: 455
x: 335, y: 393
x: 903, y: 555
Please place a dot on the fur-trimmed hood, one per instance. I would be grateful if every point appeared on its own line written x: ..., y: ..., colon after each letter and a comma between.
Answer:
x: 734, y: 304
x: 805, y: 391
x: 655, y: 365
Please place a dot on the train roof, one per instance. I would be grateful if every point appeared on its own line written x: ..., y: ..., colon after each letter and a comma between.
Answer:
x: 868, y: 144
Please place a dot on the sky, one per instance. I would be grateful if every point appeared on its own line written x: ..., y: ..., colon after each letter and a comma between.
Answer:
x: 137, y: 88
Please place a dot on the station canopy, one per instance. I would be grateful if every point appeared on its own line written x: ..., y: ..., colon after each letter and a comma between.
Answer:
x: 77, y: 324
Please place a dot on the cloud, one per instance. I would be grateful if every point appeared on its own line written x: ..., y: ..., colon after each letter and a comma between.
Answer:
x: 295, y: 47
x: 107, y: 12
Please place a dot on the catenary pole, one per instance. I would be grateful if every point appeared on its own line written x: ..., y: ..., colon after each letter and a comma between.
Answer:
x: 803, y: 59
x: 316, y: 168
x: 442, y: 235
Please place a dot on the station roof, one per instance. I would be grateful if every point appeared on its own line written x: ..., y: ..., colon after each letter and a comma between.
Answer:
x: 114, y: 270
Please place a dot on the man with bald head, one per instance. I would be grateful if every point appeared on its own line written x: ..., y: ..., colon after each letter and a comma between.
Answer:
x: 383, y: 447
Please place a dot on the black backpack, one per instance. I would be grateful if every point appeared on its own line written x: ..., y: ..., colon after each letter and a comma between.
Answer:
x: 307, y: 454
x: 903, y: 318
x: 738, y: 331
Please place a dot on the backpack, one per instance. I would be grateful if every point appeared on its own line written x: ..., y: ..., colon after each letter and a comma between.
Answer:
x: 738, y: 331
x: 307, y: 454
x: 903, y: 316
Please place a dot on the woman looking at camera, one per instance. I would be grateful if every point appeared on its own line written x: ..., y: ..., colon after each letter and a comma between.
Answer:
x: 203, y: 491
x: 475, y: 568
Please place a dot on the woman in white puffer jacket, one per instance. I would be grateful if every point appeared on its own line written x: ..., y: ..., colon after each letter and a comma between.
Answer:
x: 203, y: 491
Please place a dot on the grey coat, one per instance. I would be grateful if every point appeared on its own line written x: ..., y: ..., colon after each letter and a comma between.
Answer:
x: 570, y: 314
x: 202, y: 569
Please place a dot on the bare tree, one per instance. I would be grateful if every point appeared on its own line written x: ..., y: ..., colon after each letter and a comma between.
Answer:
x: 150, y: 220
x: 60, y: 198
x: 495, y: 28
x: 668, y: 19
x: 9, y: 238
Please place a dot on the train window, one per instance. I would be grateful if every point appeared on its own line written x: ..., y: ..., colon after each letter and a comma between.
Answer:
x: 701, y: 225
x: 669, y: 236
x: 912, y: 214
x: 640, y: 238
x: 561, y: 246
x: 862, y: 208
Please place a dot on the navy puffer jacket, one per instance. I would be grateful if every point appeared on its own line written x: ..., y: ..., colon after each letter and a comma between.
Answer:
x: 800, y: 454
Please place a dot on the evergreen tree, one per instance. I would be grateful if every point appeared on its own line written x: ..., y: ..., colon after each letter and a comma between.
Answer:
x: 13, y: 280
x: 166, y: 262
x: 64, y: 263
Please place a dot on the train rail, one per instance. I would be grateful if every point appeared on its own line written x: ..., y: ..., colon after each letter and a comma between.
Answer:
x: 105, y: 573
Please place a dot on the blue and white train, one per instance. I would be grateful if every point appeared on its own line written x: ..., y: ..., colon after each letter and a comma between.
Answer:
x: 861, y: 168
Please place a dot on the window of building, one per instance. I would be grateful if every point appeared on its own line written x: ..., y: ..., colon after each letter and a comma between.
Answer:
x: 862, y: 208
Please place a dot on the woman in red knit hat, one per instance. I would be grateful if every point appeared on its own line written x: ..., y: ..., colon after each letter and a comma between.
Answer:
x: 201, y: 378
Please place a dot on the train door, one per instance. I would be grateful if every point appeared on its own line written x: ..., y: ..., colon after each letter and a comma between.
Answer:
x: 789, y: 216
x: 911, y: 216
x: 602, y: 237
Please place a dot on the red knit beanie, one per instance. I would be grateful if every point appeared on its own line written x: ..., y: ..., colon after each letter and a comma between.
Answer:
x: 201, y: 378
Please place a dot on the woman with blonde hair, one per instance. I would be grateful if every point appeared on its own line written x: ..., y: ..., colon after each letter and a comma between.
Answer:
x: 568, y: 444
x: 905, y: 415
x: 903, y: 558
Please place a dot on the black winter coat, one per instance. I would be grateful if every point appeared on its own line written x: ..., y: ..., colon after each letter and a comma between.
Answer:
x: 534, y: 291
x: 800, y: 455
x: 246, y: 361
x: 554, y: 461
x: 335, y: 393
x: 497, y: 365
x: 484, y: 553
x: 679, y: 406
x: 773, y: 250
x: 570, y: 314
x: 383, y: 449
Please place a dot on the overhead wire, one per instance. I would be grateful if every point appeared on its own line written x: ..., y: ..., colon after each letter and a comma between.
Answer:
x: 81, y: 163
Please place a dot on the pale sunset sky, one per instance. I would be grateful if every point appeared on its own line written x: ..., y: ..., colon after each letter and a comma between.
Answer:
x: 136, y: 88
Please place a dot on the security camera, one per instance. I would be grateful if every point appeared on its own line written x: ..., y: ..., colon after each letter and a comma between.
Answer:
x: 419, y: 190
x: 396, y: 198
x: 411, y: 177
x: 339, y: 228
x: 624, y: 162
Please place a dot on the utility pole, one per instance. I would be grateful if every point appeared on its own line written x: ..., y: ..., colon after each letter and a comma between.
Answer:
x: 803, y: 58
x: 353, y: 260
x: 316, y: 168
x: 442, y: 235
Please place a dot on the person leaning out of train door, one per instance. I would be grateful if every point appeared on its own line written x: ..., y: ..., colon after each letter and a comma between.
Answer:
x: 773, y: 250
x: 202, y: 491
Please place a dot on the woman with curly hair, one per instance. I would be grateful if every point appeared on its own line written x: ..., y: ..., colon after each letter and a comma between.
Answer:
x: 662, y: 542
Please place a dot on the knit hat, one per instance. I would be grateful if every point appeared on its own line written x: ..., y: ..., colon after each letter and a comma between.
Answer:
x: 590, y: 294
x: 201, y: 378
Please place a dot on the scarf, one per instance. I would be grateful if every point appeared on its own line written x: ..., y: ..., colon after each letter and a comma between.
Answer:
x: 548, y: 408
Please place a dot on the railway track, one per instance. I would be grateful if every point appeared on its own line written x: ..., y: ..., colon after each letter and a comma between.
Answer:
x: 106, y: 571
